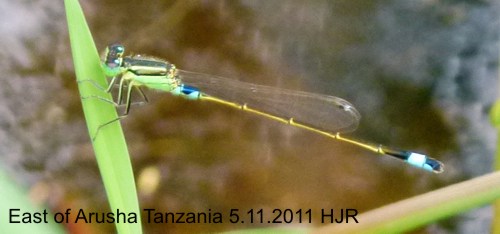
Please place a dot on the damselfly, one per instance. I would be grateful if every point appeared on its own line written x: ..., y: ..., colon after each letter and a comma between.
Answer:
x: 326, y: 115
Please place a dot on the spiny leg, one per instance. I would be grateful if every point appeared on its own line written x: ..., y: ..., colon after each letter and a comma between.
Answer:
x: 120, y: 88
x: 111, y: 84
x: 98, y: 86
x: 101, y: 98
x: 106, y: 124
x: 119, y: 99
x: 127, y: 109
x: 128, y: 104
x: 110, y: 101
x: 142, y: 93
x: 109, y: 122
x: 129, y: 95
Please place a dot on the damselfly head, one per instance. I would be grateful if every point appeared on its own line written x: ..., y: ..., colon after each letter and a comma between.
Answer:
x: 114, y: 55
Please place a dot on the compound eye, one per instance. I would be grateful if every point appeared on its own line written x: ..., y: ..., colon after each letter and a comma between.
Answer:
x: 115, y: 51
x: 113, y: 63
x: 117, y: 48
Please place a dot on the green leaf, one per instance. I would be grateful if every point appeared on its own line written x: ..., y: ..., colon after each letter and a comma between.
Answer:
x: 109, y: 145
x: 14, y: 197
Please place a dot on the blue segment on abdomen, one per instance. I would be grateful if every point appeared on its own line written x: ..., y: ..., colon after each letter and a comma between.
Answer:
x: 419, y: 160
x: 187, y: 91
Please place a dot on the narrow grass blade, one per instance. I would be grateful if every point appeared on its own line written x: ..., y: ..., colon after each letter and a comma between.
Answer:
x: 109, y: 146
x: 495, y: 120
x: 414, y: 212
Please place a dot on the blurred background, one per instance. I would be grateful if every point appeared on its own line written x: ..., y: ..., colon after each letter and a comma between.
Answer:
x: 423, y: 75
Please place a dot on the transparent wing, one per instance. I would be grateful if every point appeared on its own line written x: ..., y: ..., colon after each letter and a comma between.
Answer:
x: 323, y: 112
